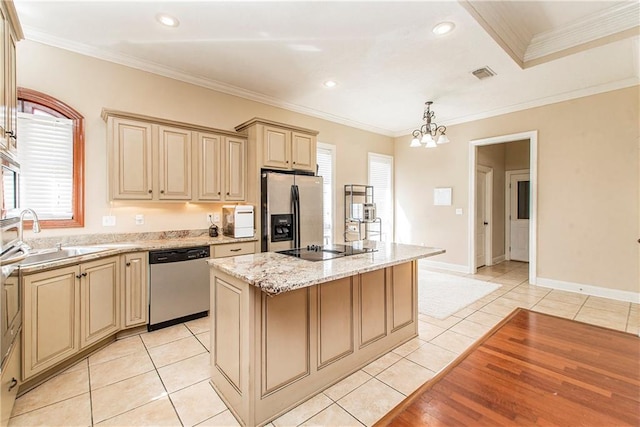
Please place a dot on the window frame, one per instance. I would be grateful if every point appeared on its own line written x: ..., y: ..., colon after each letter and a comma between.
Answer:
x: 55, y: 106
x: 332, y: 149
x: 391, y: 221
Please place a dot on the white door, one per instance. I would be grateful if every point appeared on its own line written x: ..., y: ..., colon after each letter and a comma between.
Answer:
x: 482, y: 216
x: 519, y: 217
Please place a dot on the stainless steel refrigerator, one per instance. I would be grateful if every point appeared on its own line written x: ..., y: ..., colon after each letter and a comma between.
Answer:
x: 291, y: 211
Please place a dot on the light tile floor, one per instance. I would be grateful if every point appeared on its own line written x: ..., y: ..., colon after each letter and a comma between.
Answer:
x: 161, y: 378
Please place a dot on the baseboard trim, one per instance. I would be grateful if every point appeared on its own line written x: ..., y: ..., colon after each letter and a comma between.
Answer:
x: 445, y: 266
x: 498, y: 259
x: 597, y: 291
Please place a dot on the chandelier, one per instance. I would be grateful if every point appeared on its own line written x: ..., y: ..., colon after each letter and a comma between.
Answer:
x: 428, y: 132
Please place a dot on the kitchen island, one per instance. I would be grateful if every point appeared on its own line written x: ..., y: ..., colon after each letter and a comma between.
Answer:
x: 284, y: 329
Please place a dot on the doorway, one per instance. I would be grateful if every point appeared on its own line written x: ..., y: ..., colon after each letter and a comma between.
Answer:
x: 531, y: 229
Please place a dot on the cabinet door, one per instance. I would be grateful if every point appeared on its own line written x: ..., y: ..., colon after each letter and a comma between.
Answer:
x: 174, y: 163
x: 135, y: 303
x: 99, y: 300
x: 51, y: 311
x: 12, y: 94
x: 236, y: 169
x: 303, y: 151
x: 3, y: 80
x: 209, y: 166
x: 276, y: 148
x: 131, y: 167
x: 9, y: 382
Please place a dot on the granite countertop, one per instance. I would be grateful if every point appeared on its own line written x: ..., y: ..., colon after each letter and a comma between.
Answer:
x: 276, y: 273
x: 120, y: 247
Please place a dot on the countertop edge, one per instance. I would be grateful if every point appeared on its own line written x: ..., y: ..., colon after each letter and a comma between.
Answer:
x: 129, y: 247
x: 272, y: 290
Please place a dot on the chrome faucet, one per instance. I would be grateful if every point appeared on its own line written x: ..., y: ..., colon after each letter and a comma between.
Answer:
x: 36, y: 223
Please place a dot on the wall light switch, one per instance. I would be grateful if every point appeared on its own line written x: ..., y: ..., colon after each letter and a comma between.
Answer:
x: 139, y: 219
x: 459, y: 211
x: 108, y: 221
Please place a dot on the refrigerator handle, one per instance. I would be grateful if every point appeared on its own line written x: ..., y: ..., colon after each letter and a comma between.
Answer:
x: 295, y: 201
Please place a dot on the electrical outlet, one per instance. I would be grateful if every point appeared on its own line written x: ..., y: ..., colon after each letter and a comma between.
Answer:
x: 459, y: 211
x: 108, y: 221
x: 216, y: 217
x: 210, y: 217
x: 139, y: 219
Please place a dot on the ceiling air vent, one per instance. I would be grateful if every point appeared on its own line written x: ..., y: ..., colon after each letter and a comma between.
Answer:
x: 483, y: 73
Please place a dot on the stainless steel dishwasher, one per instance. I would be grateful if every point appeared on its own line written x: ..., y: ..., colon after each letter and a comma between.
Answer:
x: 179, y: 286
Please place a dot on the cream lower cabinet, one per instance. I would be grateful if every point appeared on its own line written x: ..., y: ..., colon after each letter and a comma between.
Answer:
x: 221, y: 166
x: 9, y: 383
x: 135, y: 286
x: 67, y: 309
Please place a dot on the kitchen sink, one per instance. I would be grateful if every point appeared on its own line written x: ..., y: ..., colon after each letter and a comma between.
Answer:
x: 47, y: 255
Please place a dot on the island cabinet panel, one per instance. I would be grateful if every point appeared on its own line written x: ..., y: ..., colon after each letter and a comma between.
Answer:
x: 402, y: 295
x: 373, y: 307
x: 285, y: 339
x: 226, y: 335
x: 269, y: 353
x: 335, y: 320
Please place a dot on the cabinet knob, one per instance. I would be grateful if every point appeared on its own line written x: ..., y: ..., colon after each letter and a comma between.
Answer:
x: 294, y: 163
x: 84, y: 274
x: 218, y: 193
x: 11, y: 133
x: 78, y: 276
x: 150, y: 191
x: 227, y: 193
x: 128, y: 264
x: 13, y: 383
x: 161, y: 191
x: 287, y: 162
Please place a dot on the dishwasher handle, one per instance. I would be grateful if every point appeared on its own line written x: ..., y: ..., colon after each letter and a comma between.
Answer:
x: 178, y: 255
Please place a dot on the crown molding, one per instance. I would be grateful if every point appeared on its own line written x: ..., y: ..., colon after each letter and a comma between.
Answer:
x: 602, y: 25
x: 593, y: 90
x: 35, y: 35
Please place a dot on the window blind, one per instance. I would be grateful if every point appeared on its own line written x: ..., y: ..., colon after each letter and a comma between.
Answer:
x: 325, y: 170
x: 46, y: 164
x: 381, y: 178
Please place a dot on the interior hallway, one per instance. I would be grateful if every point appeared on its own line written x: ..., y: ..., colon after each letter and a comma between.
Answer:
x: 161, y: 378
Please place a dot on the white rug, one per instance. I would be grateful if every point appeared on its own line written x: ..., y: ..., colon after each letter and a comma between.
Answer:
x: 441, y: 295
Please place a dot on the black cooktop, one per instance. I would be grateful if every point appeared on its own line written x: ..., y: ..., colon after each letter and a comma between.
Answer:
x: 323, y: 253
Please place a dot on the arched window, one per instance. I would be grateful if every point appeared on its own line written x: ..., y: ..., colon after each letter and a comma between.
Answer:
x: 51, y: 155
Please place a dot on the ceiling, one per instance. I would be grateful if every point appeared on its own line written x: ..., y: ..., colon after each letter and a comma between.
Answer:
x: 383, y: 55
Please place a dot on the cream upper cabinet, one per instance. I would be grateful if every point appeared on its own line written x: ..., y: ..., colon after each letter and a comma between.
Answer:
x: 134, y: 299
x: 67, y: 309
x: 174, y: 163
x: 281, y: 146
x: 131, y: 166
x: 209, y: 166
x: 51, y: 329
x: 99, y: 300
x: 162, y: 160
x: 10, y: 33
x: 276, y: 148
x: 235, y: 169
x: 221, y: 167
x: 303, y: 151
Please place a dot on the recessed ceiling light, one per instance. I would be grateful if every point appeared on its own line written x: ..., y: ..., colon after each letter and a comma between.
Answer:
x: 443, y: 28
x: 330, y: 83
x: 167, y: 20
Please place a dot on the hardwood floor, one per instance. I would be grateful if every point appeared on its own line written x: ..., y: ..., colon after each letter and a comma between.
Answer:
x: 533, y: 369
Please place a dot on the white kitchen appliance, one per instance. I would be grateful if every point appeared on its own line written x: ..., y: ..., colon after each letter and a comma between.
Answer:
x: 237, y: 221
